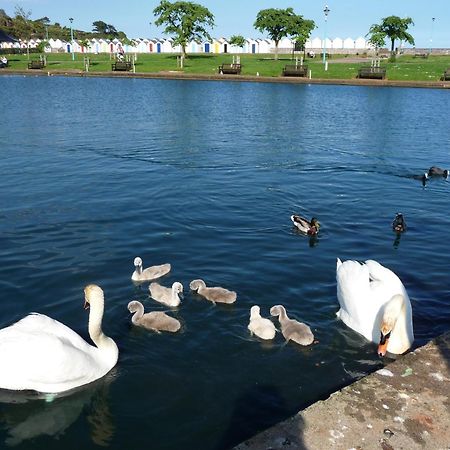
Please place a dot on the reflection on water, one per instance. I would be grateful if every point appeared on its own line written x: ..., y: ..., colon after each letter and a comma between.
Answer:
x: 31, y: 416
x: 397, y: 240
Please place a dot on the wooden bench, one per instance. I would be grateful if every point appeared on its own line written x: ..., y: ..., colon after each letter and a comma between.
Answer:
x: 230, y: 69
x: 420, y: 55
x: 378, y: 73
x: 293, y: 70
x: 36, y: 64
x: 121, y: 65
x: 446, y: 76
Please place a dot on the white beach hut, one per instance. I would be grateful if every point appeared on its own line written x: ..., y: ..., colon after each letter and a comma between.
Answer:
x: 316, y: 44
x: 360, y: 43
x: 349, y: 44
x: 264, y: 45
x: 167, y: 46
x: 337, y: 44
x: 251, y: 46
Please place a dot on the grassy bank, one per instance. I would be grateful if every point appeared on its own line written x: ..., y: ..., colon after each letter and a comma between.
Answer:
x: 406, y: 68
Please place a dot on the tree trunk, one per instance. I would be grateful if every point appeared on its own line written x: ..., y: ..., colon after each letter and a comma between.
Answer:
x: 183, y: 51
x: 276, y: 50
x: 392, y: 46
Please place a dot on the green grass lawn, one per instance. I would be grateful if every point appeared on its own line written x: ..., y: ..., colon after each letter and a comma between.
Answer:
x: 405, y: 68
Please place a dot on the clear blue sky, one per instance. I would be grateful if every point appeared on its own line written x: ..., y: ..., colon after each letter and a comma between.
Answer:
x: 347, y: 18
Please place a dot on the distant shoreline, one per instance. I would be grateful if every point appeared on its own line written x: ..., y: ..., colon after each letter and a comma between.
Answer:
x: 174, y: 75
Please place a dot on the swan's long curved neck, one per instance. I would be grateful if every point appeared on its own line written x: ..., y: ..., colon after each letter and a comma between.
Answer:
x: 282, y: 317
x: 175, y: 297
x: 138, y: 314
x: 102, y: 341
x: 397, y: 319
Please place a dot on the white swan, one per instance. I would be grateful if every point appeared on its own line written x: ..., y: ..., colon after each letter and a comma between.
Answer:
x: 291, y: 329
x: 156, y: 320
x: 150, y: 273
x: 39, y: 353
x: 263, y: 328
x: 168, y: 296
x: 213, y: 294
x: 373, y: 300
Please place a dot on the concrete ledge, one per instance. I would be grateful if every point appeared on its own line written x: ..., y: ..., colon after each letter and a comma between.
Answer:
x: 406, y: 406
x: 173, y: 75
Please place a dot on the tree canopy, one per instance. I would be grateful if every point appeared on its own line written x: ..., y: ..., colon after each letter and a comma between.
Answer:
x: 280, y: 23
x: 301, y: 30
x: 185, y: 21
x: 393, y: 28
x: 21, y: 26
x: 237, y: 40
x: 104, y: 30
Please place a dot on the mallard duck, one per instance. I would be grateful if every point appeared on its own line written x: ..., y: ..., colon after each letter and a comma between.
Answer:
x: 373, y: 300
x: 437, y: 172
x: 310, y: 228
x: 399, y: 224
x: 41, y: 354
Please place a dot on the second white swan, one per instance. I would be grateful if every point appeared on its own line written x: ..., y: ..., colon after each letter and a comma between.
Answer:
x: 374, y: 302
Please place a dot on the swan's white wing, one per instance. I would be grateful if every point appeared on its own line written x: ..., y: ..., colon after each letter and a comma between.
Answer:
x: 355, y: 297
x: 39, y: 323
x: 45, y: 360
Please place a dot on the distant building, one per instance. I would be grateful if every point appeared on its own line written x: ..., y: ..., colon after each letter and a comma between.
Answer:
x: 217, y: 46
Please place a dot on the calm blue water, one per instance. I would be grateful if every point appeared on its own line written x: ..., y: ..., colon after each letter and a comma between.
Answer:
x: 205, y: 175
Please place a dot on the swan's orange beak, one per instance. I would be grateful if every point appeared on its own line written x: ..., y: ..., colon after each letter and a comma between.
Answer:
x: 382, y: 346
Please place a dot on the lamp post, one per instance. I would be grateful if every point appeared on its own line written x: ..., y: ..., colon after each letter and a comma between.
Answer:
x: 326, y: 11
x: 431, y: 38
x: 71, y: 38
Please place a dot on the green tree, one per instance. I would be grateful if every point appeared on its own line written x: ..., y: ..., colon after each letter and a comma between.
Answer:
x: 42, y: 46
x: 23, y: 26
x: 237, y: 40
x: 393, y: 28
x: 185, y: 21
x: 5, y: 21
x: 301, y: 31
x: 277, y: 22
x: 378, y: 40
x: 105, y: 30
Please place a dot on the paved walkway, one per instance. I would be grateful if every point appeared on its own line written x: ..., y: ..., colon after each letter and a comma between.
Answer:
x: 404, y: 406
x: 176, y: 75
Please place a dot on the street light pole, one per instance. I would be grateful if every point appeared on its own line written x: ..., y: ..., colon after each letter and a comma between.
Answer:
x: 71, y: 38
x: 431, y: 38
x: 326, y: 11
